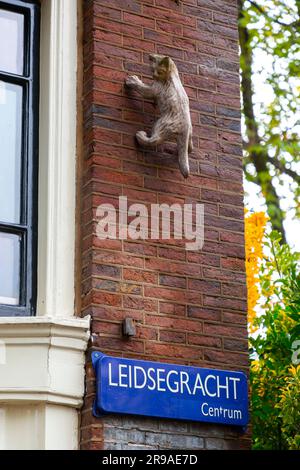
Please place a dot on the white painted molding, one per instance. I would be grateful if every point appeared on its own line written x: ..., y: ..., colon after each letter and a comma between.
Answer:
x: 57, y: 158
x: 44, y: 360
x: 38, y: 427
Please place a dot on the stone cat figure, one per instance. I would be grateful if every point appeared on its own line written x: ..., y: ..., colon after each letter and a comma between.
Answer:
x: 173, y: 103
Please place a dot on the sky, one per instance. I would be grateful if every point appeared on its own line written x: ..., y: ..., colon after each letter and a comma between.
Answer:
x: 255, y: 202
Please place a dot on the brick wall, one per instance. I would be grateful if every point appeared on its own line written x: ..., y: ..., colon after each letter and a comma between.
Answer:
x: 189, y: 307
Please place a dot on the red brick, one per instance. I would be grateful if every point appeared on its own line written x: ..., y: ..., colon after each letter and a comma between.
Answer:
x: 181, y: 324
x: 203, y: 258
x: 220, y: 357
x: 164, y: 186
x: 178, y: 352
x: 92, y: 434
x: 234, y: 264
x: 176, y: 53
x: 170, y: 28
x: 147, y: 333
x: 140, y: 196
x: 232, y: 238
x: 235, y: 318
x: 234, y: 304
x: 108, y: 86
x: 172, y: 281
x: 208, y: 341
x: 189, y: 307
x: 138, y: 44
x: 87, y: 418
x: 225, y: 249
x: 225, y: 19
x: 224, y: 330
x: 140, y: 248
x: 107, y: 36
x: 197, y: 11
x: 129, y: 18
x: 169, y: 5
x: 184, y: 43
x: 200, y: 82
x: 129, y: 5
x: 140, y: 276
x: 107, y: 162
x: 107, y: 271
x: 172, y: 253
x: 105, y: 298
x: 158, y: 37
x: 235, y: 344
x: 234, y: 289
x: 224, y: 223
x: 106, y: 135
x: 204, y: 313
x: 139, y: 168
x: 104, y: 328
x: 172, y: 309
x: 117, y: 258
x: 114, y: 101
x: 223, y: 275
x: 219, y: 6
x: 116, y: 177
x: 175, y: 268
x: 172, y: 336
x: 110, y: 313
x: 172, y: 294
x: 147, y: 305
x: 106, y: 12
x: 161, y: 14
x: 204, y: 286
x: 109, y: 74
x: 105, y: 60
x: 107, y: 344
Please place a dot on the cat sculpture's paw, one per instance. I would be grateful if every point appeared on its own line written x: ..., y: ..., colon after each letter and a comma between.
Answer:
x: 133, y: 81
x: 141, y: 137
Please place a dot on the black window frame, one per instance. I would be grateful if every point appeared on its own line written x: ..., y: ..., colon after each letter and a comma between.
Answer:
x: 28, y: 226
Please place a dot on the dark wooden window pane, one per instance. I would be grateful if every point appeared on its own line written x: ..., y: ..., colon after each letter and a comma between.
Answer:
x: 11, y: 42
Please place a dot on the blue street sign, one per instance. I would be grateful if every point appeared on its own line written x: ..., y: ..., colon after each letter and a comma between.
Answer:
x: 130, y: 386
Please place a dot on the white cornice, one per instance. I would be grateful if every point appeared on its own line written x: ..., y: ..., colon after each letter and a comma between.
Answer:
x: 44, y: 327
x: 42, y: 360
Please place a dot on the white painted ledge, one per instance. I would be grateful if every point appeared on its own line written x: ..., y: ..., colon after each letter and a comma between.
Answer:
x: 42, y: 360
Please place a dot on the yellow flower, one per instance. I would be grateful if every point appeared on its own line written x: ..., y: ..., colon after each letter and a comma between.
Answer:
x: 255, y: 225
x: 294, y: 370
x: 255, y: 365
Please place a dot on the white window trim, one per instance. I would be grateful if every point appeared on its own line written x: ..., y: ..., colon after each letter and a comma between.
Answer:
x: 57, y: 159
x: 49, y: 348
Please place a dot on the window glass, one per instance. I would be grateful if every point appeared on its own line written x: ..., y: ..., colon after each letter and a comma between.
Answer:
x: 9, y: 268
x: 10, y: 151
x: 11, y: 42
x: 19, y: 91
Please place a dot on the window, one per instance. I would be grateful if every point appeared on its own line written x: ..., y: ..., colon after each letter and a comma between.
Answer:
x: 19, y: 98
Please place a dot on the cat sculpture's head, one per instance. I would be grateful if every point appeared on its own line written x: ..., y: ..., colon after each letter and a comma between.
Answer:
x: 162, y: 67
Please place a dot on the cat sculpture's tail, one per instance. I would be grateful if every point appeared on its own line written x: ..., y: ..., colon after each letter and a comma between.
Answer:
x: 184, y: 145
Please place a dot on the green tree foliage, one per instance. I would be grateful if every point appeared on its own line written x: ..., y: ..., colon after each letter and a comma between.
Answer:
x: 289, y: 406
x: 274, y: 375
x: 269, y: 31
